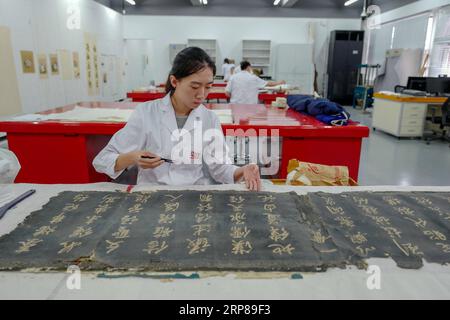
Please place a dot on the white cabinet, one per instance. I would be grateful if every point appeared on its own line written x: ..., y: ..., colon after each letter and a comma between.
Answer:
x: 401, y: 119
x: 257, y: 52
x: 209, y: 45
x: 174, y: 49
x: 294, y: 64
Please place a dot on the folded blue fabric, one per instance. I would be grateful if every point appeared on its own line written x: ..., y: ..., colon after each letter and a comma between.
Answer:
x: 298, y: 102
x: 339, y: 119
x: 324, y: 110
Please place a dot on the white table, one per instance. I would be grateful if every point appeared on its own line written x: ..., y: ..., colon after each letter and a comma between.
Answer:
x: 432, y: 281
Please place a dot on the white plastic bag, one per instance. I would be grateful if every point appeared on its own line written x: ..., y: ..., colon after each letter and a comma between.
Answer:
x: 9, y: 166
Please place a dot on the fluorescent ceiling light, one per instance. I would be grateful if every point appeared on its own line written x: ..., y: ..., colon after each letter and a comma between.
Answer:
x: 276, y: 2
x: 349, y: 2
x: 132, y: 2
x: 205, y: 2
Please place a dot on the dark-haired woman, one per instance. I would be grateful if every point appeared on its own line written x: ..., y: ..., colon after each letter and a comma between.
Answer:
x: 176, y: 140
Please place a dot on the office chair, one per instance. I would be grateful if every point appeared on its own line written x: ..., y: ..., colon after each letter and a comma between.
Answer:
x: 444, y: 124
x: 399, y: 88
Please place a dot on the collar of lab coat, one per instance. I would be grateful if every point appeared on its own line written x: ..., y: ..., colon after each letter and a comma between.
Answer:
x: 169, y: 120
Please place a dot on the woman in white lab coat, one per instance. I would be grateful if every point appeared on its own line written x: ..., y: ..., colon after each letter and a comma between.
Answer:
x: 152, y: 135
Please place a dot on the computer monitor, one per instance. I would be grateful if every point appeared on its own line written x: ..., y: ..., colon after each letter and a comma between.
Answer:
x: 439, y: 85
x: 417, y: 83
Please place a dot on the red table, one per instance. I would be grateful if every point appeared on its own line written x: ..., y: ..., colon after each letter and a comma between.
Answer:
x: 267, y: 98
x: 62, y: 151
x: 217, y: 92
x: 215, y: 84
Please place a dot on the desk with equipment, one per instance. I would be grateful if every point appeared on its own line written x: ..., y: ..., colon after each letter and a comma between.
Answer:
x: 403, y: 114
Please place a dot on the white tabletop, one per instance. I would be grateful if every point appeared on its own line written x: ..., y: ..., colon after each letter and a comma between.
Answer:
x: 432, y: 281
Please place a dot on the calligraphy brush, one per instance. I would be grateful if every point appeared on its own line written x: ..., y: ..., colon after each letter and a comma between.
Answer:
x: 163, y: 159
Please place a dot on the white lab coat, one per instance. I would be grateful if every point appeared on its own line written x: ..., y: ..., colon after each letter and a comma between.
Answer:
x: 226, y: 71
x: 243, y: 87
x: 150, y: 128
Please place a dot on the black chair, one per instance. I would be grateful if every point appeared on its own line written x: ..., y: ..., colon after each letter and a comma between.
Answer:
x: 444, y: 124
x: 399, y: 88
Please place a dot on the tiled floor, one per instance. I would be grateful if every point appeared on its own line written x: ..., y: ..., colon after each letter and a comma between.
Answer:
x: 386, y: 160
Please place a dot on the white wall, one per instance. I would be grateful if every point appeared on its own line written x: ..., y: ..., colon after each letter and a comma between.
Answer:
x: 408, y: 33
x: 410, y: 22
x: 140, y: 63
x: 40, y: 26
x: 412, y: 9
x: 229, y: 33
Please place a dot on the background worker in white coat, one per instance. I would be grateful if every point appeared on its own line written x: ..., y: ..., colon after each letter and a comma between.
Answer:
x: 243, y: 86
x: 227, y: 68
x: 150, y: 130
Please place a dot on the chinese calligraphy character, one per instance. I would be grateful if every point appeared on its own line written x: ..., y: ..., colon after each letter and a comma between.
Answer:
x: 239, y: 232
x: 166, y: 218
x: 419, y: 222
x: 273, y: 219
x: 318, y: 237
x: 173, y: 198
x: 335, y: 210
x: 68, y: 246
x: 360, y: 201
x: 345, y: 221
x: 162, y: 232
x: 205, y: 197
x: 70, y: 207
x: 121, y: 233
x: 280, y: 249
x: 199, y: 228
x: 156, y: 247
x: 80, y: 197
x: 237, y: 199
x: 136, y: 208
x: 171, y: 206
x: 102, y: 208
x: 202, y: 207
x: 269, y: 207
x: 391, y: 200
x: 112, y: 245
x: 197, y: 245
x: 202, y: 217
x: 44, y: 231
x: 364, y: 251
x: 269, y: 198
x: 57, y: 219
x: 435, y: 235
x: 238, y: 217
x: 81, y: 232
x: 241, y: 247
x: 128, y: 219
x: 27, y: 245
x: 277, y: 234
x: 405, y: 211
x: 358, y: 238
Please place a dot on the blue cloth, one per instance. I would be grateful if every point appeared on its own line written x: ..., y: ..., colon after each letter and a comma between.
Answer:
x: 323, y: 110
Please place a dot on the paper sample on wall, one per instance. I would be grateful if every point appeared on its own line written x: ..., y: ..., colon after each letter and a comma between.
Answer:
x: 76, y: 65
x: 9, y: 89
x: 27, y: 61
x: 66, y: 65
x: 43, y: 66
x: 92, y: 71
x: 54, y: 66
